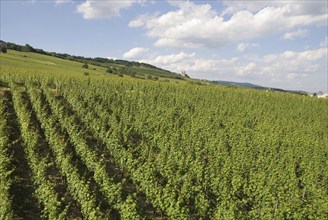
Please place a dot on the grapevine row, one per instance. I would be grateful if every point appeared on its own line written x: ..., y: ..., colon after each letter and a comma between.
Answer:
x: 76, y: 185
x: 195, y: 152
x: 111, y: 190
x: 6, y: 211
x: 141, y: 174
x: 45, y: 192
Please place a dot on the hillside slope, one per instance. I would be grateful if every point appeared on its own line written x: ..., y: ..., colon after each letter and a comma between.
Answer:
x: 99, y: 146
x: 135, y: 69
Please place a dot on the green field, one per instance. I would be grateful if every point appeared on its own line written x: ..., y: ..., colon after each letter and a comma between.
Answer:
x: 51, y: 64
x: 100, y: 146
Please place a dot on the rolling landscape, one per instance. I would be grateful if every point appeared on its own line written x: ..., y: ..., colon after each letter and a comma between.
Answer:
x: 90, y: 137
x: 105, y: 146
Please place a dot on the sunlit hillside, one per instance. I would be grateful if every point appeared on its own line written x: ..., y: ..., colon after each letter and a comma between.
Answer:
x: 82, y: 143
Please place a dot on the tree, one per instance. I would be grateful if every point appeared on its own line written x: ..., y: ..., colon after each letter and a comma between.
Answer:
x: 3, y: 49
x: 28, y: 48
x: 133, y: 74
x: 85, y: 66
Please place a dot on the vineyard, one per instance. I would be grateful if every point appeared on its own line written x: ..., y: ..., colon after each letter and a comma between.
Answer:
x: 91, y: 147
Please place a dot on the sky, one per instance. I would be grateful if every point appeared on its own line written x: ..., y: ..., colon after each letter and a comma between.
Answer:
x: 281, y: 44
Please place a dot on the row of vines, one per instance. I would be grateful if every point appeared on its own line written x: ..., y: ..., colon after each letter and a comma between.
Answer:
x: 101, y: 148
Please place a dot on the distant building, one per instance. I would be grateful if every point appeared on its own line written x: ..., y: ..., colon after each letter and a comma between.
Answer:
x: 323, y: 95
x: 319, y: 95
x: 184, y: 74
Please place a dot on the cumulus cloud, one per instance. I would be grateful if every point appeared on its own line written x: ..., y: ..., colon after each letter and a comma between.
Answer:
x: 251, y: 6
x: 92, y: 9
x: 296, y: 34
x: 141, y: 20
x: 62, y: 1
x: 242, y: 47
x: 174, y: 58
x: 247, y: 69
x: 272, y: 69
x: 291, y: 75
x: 188, y: 62
x: 200, y: 26
x: 136, y: 52
x: 297, y: 63
x: 111, y: 58
x: 305, y: 7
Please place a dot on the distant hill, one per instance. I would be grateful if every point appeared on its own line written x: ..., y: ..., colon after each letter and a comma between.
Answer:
x: 120, y: 66
x: 243, y: 84
x: 109, y: 66
x: 254, y: 86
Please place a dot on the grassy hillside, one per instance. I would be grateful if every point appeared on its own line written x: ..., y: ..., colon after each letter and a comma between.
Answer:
x: 36, y: 62
x: 54, y: 61
x: 42, y: 63
x: 100, y: 146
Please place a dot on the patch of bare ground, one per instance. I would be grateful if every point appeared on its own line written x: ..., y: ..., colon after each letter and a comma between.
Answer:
x: 3, y: 90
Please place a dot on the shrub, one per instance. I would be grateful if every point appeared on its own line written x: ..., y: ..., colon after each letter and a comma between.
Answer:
x: 3, y: 49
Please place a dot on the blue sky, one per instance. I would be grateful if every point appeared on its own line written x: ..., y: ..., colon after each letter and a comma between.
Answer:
x: 271, y: 43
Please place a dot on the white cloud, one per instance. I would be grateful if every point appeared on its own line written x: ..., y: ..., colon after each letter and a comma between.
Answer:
x: 136, y: 52
x: 247, y: 69
x: 196, y: 26
x: 173, y: 58
x: 312, y: 55
x: 141, y: 20
x: 244, y: 46
x: 111, y: 58
x: 289, y: 65
x: 276, y: 70
x: 92, y: 9
x: 291, y: 75
x: 188, y: 62
x: 295, y: 34
x: 304, y: 7
x: 62, y: 1
x: 251, y: 6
